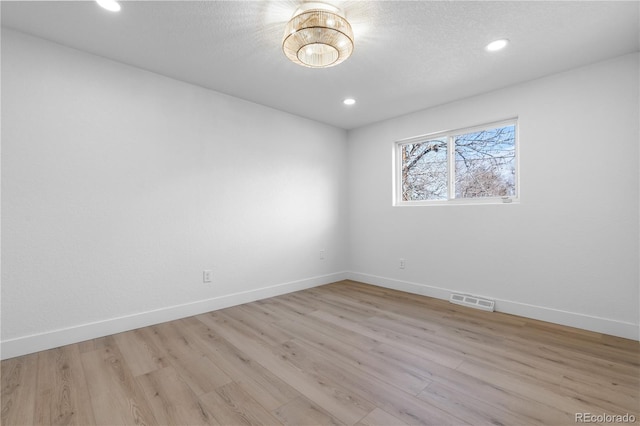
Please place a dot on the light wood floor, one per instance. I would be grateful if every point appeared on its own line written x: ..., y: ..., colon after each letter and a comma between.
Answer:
x: 341, y: 354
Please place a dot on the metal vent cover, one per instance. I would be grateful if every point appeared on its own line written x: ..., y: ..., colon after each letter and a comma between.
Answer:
x: 472, y: 301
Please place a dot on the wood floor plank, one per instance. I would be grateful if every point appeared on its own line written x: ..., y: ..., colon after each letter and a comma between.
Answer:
x: 617, y: 371
x: 492, y: 392
x: 472, y: 410
x: 330, y: 301
x: 315, y: 325
x: 19, y: 377
x: 250, y: 316
x: 262, y: 385
x: 400, y: 404
x: 342, y: 354
x: 187, y: 356
x: 116, y: 398
x: 230, y: 405
x: 301, y: 411
x: 540, y: 391
x: 335, y: 400
x: 62, y: 393
x: 457, y: 341
x: 380, y: 417
x: 95, y: 344
x: 172, y: 400
x: 570, y: 341
x: 299, y: 301
x: 387, y: 370
x: 140, y: 353
x: 509, y: 356
x: 436, y: 353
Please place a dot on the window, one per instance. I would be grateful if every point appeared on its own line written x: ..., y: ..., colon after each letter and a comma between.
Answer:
x: 476, y: 165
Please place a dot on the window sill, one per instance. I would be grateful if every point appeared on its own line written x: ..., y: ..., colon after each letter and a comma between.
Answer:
x: 467, y: 202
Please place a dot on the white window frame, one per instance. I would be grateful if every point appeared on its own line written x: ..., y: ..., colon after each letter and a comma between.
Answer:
x: 451, y: 200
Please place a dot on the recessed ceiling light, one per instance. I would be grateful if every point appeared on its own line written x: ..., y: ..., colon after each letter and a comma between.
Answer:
x: 110, y: 5
x: 497, y: 45
x: 349, y: 101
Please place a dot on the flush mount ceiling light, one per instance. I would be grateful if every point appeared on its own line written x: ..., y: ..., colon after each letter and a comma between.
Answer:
x: 318, y: 36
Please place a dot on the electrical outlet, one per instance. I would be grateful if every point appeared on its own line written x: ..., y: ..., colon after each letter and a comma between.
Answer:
x: 322, y: 254
x: 401, y: 264
x: 207, y: 275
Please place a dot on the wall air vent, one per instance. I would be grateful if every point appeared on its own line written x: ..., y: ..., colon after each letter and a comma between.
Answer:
x: 472, y: 301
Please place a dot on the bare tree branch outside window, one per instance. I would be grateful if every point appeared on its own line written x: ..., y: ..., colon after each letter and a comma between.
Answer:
x: 424, y: 170
x: 485, y: 166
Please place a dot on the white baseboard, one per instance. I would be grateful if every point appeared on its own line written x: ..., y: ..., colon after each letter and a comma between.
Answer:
x: 571, y: 319
x: 53, y: 339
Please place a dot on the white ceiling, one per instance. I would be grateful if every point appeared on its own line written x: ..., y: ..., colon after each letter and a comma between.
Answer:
x: 409, y: 55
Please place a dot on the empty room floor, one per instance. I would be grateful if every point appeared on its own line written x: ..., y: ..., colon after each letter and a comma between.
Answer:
x: 340, y: 354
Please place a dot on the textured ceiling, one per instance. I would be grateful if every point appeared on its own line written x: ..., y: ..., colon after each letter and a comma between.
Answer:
x: 409, y: 55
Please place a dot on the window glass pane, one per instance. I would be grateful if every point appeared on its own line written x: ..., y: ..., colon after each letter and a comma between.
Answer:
x: 424, y: 170
x: 485, y: 163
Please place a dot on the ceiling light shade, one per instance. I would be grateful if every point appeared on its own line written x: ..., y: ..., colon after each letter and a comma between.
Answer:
x: 318, y: 37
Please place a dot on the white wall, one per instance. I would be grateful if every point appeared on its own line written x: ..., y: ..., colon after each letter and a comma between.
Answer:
x: 567, y: 253
x: 120, y: 186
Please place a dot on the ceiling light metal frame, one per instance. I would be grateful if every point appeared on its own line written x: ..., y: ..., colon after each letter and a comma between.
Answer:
x: 318, y: 36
